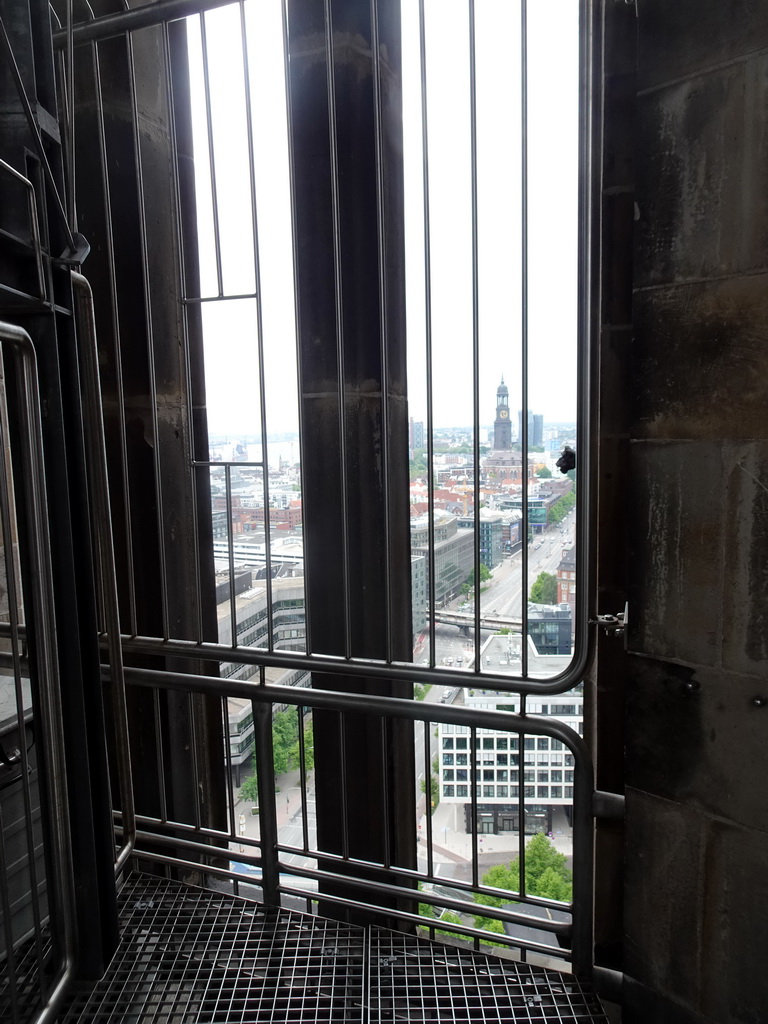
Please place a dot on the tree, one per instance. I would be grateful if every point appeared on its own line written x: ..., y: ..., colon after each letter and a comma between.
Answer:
x: 544, y: 472
x: 544, y: 589
x: 469, y: 584
x: 434, y: 785
x: 546, y: 875
x: 250, y: 789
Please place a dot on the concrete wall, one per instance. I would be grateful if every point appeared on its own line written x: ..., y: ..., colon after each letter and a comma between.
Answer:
x: 696, y: 888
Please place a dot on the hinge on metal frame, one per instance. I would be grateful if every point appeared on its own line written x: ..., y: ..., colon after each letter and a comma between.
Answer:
x: 614, y: 625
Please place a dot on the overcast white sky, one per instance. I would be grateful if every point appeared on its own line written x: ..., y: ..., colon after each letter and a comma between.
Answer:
x: 230, y: 326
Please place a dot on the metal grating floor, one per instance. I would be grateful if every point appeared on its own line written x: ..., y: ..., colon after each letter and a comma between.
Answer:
x: 193, y: 956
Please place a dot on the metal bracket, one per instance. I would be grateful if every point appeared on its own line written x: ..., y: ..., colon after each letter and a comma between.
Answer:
x: 608, y: 805
x: 614, y: 625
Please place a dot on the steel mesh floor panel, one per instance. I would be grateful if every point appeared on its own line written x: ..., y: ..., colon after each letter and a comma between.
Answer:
x: 414, y: 979
x: 191, y: 955
x: 26, y: 976
x: 194, y: 956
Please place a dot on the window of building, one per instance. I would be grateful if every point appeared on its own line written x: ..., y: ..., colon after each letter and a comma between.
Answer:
x: 447, y: 790
x: 488, y: 775
x: 542, y: 776
x: 529, y: 776
x: 447, y: 758
x: 569, y: 776
x: 514, y: 791
x: 501, y: 791
x: 502, y: 776
x: 502, y: 743
x: 461, y: 791
x: 461, y: 758
x: 556, y: 744
x: 569, y: 760
x: 501, y: 759
x: 542, y: 743
x: 556, y: 776
x: 448, y: 775
x: 555, y: 792
x: 569, y: 792
x: 488, y: 744
x: 461, y: 774
x: 543, y: 792
x: 488, y: 791
x: 461, y: 744
x: 447, y: 743
x: 529, y: 743
x: 529, y: 791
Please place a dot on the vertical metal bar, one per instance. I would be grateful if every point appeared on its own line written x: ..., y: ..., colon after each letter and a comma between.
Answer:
x: 524, y: 330
x: 5, y: 906
x: 475, y: 326
x: 118, y: 362
x: 230, y: 552
x: 150, y: 339
x: 259, y: 329
x: 183, y: 292
x: 13, y: 609
x: 342, y: 390
x: 157, y: 718
x: 211, y: 155
x: 297, y: 313
x: 474, y: 777
x: 342, y: 719
x: 521, y: 806
x: 40, y: 602
x: 98, y: 479
x: 383, y: 332
x: 385, y: 800
x: 265, y: 777
x: 196, y: 783
x: 71, y: 163
x: 428, y: 338
x: 228, y: 760
x: 303, y: 781
x: 428, y: 794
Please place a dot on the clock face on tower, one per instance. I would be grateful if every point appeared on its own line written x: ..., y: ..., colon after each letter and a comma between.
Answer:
x: 503, y: 414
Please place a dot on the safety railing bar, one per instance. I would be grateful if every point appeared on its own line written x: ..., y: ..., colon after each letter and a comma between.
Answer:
x: 349, y: 666
x: 259, y: 324
x: 476, y: 590
x: 228, y: 764
x: 524, y: 326
x: 98, y: 480
x: 341, y: 388
x: 211, y: 155
x: 381, y: 239
x: 181, y: 843
x: 40, y: 598
x: 153, y: 823
x: 428, y: 795
x: 431, y: 560
x: 33, y: 222
x: 196, y: 300
x: 5, y: 907
x: 188, y: 387
x: 230, y: 553
x: 14, y: 604
x: 157, y: 717
x: 110, y: 25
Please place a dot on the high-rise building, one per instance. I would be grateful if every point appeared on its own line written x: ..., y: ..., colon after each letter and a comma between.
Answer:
x: 502, y: 428
x: 415, y: 435
x: 535, y: 428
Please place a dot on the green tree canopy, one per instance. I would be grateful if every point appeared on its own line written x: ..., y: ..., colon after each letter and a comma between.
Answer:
x: 544, y: 589
x: 250, y: 789
x: 469, y: 584
x: 546, y: 875
x: 544, y: 472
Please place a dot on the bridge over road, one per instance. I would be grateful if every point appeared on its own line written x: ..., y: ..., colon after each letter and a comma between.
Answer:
x: 465, y: 621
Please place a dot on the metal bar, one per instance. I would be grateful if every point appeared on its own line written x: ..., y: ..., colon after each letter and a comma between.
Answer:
x: 138, y: 169
x: 118, y: 361
x: 40, y: 601
x: 181, y: 279
x: 341, y: 383
x: 475, y: 330
x: 231, y: 553
x: 110, y: 25
x: 156, y: 721
x: 524, y: 331
x: 473, y: 783
x: 211, y: 155
x: 33, y: 222
x: 383, y: 330
x: 196, y: 300
x: 5, y: 45
x: 98, y: 479
x: 5, y: 906
x: 228, y: 759
x: 262, y: 727
x: 303, y: 781
x: 428, y: 795
x: 346, y: 666
x: 259, y: 326
x: 71, y: 162
x: 428, y: 339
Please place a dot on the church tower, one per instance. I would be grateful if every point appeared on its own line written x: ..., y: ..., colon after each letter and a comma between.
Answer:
x: 502, y: 428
